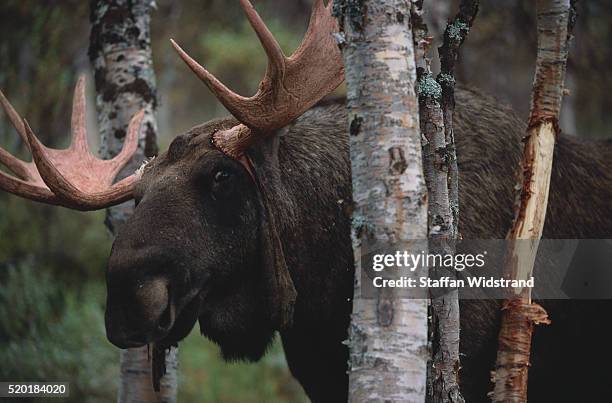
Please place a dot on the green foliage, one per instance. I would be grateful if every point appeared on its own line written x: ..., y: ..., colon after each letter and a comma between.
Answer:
x: 53, y: 334
x: 206, y: 378
x: 73, y: 246
x: 37, y: 62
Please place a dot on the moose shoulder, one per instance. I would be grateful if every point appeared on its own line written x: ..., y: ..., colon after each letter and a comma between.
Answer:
x: 195, y: 248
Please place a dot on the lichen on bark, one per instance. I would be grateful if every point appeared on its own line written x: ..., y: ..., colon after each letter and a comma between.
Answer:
x: 436, y: 105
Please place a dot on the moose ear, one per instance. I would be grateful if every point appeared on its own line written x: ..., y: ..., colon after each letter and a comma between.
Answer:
x: 281, y: 291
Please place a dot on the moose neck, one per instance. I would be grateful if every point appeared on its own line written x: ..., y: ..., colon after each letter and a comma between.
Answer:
x: 307, y: 175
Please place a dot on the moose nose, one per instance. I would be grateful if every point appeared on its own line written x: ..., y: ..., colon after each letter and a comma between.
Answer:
x: 139, y: 314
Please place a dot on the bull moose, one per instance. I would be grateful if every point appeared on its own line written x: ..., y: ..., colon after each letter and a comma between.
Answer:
x: 243, y: 225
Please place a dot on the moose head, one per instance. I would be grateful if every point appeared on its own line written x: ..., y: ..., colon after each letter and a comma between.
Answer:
x: 202, y: 242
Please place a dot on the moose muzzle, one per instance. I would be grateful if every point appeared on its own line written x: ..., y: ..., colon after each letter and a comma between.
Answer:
x: 139, y: 313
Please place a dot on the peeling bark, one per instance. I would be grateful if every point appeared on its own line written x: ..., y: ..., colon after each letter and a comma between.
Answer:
x: 388, y: 334
x: 436, y: 106
x: 120, y: 54
x: 519, y: 314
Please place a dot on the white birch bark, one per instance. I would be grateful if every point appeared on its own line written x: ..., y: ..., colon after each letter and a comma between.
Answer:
x: 388, y: 334
x: 120, y: 53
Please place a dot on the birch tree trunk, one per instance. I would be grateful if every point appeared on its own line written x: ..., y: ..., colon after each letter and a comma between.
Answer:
x: 120, y: 53
x: 442, y: 382
x: 436, y: 106
x: 388, y: 334
x: 519, y: 314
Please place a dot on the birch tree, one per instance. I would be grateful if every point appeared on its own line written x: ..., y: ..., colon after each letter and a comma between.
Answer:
x: 120, y: 53
x: 436, y: 106
x: 519, y: 313
x: 388, y: 334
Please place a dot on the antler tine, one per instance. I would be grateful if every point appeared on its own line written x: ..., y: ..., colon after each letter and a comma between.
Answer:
x: 291, y: 85
x: 232, y: 101
x: 276, y: 62
x: 69, y: 194
x: 79, y: 118
x: 25, y: 183
x: 27, y: 190
x: 52, y: 177
x: 276, y: 57
x: 130, y: 144
x: 13, y: 117
x: 319, y: 9
x: 72, y: 177
x: 319, y: 35
x: 16, y: 166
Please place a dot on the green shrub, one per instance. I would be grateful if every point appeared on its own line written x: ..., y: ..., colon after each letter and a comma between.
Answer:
x: 49, y: 333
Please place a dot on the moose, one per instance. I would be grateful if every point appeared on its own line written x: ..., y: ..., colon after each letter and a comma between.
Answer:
x: 243, y: 225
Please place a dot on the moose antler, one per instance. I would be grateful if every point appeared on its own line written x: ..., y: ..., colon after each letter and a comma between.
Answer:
x: 291, y: 85
x: 72, y: 177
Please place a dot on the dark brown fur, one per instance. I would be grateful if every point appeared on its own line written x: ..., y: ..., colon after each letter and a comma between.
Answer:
x: 198, y: 240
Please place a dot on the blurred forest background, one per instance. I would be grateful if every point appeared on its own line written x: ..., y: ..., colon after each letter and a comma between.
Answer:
x: 52, y: 260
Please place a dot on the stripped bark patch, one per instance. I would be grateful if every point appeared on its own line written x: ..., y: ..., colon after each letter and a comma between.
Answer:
x: 519, y: 314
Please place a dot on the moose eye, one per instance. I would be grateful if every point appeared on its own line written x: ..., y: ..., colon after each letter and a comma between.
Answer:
x: 220, y: 186
x: 221, y: 176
